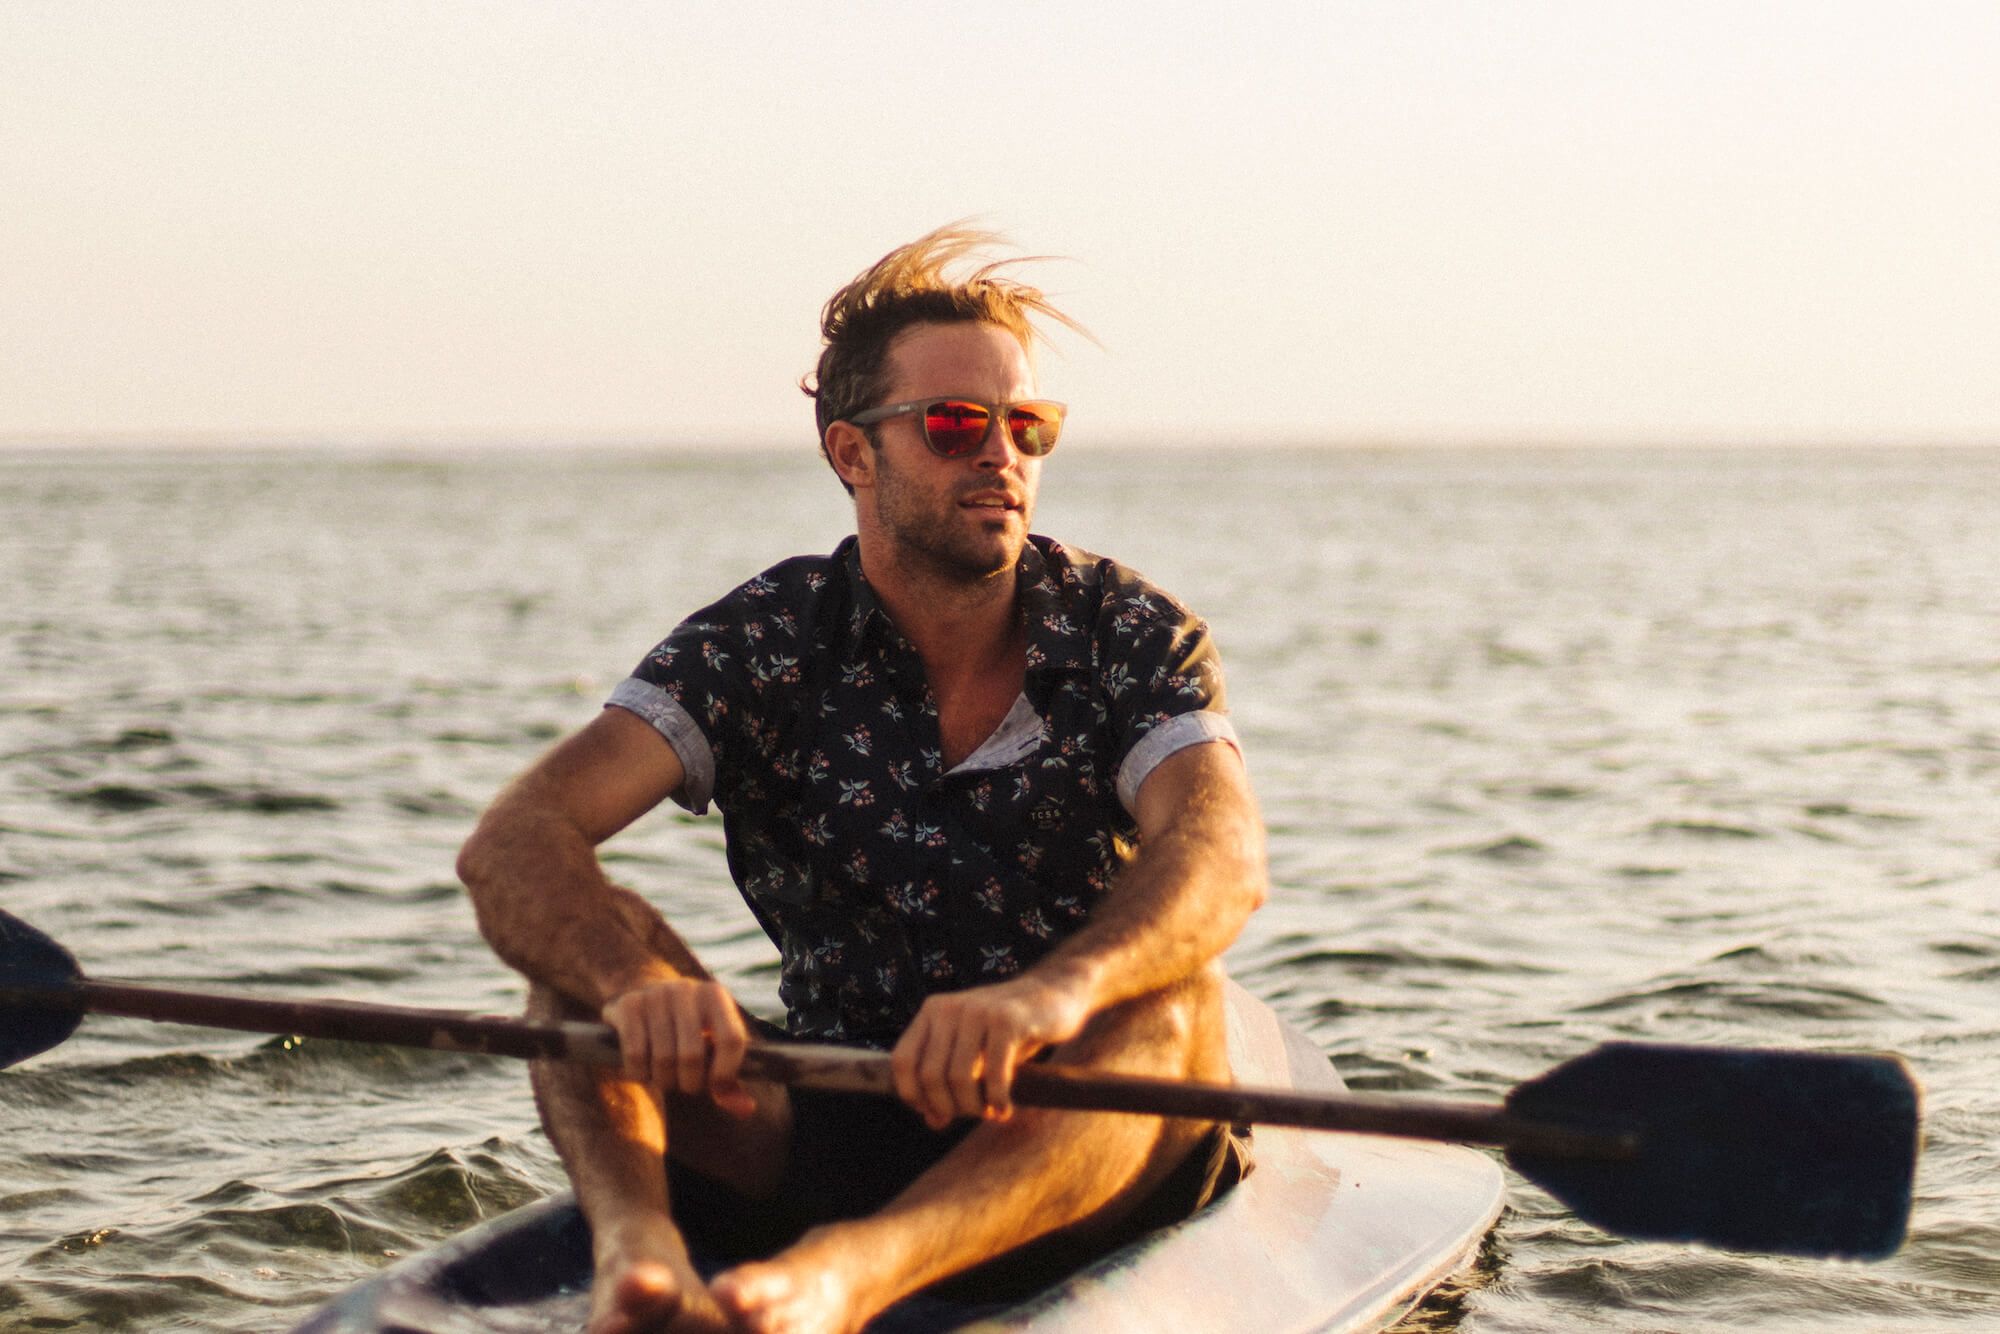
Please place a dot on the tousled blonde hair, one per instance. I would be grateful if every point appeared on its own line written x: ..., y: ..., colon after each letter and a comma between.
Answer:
x: 911, y: 285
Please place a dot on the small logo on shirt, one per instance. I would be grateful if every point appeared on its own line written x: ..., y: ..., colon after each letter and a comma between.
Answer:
x: 1047, y: 815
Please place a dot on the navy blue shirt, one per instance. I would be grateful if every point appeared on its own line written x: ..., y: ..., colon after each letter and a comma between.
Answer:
x: 797, y: 707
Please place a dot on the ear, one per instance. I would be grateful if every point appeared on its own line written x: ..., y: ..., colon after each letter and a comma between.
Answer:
x: 853, y: 458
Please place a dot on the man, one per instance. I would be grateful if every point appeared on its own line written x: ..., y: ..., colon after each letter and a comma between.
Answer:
x: 978, y: 789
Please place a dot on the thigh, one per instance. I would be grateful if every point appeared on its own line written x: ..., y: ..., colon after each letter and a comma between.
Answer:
x: 747, y: 1153
x: 1218, y: 1160
x: 1179, y: 1032
x: 748, y: 1156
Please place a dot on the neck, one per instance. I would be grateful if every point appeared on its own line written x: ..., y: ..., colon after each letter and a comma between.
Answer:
x: 960, y: 625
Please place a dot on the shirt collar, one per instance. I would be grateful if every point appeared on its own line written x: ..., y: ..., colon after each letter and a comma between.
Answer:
x: 1055, y: 640
x: 864, y: 608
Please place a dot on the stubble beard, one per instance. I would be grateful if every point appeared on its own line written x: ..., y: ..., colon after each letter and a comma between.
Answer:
x: 929, y: 535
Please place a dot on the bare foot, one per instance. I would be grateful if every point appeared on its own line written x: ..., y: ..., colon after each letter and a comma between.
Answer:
x: 815, y: 1287
x: 646, y: 1283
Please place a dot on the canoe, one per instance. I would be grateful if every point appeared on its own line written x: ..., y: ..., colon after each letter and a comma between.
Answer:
x: 1330, y: 1232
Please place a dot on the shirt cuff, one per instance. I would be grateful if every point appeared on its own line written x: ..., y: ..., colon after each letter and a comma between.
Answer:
x: 1176, y: 733
x: 678, y: 726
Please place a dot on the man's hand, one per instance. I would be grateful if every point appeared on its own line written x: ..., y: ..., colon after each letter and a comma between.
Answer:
x: 683, y: 1035
x: 958, y: 1057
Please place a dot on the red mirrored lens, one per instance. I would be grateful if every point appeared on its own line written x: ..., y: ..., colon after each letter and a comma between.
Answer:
x: 955, y: 428
x: 1034, y: 427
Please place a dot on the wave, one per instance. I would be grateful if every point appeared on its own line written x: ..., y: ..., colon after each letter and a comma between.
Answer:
x: 1661, y: 1288
x: 1705, y: 829
x: 132, y: 1274
x: 1512, y: 848
x: 1301, y: 952
x: 1738, y: 1000
x: 280, y: 896
x: 129, y: 798
x: 291, y: 1062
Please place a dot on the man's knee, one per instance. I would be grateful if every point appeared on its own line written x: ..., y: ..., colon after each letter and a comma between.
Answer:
x: 1176, y: 1031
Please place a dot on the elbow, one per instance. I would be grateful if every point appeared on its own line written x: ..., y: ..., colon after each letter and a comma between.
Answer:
x: 494, y: 915
x: 1254, y: 868
x: 1239, y: 884
x: 477, y: 859
x: 1252, y: 901
x: 1256, y: 892
x: 471, y: 866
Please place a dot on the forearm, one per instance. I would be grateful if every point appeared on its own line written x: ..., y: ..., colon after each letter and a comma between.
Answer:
x: 1198, y: 876
x: 546, y: 907
x: 1175, y: 909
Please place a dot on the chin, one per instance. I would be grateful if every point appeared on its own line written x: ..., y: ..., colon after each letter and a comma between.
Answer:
x: 982, y: 559
x: 1006, y: 550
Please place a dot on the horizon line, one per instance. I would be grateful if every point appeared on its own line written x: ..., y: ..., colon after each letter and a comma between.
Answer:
x: 499, y: 443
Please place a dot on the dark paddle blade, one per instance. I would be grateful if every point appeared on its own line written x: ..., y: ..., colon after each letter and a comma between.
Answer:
x: 31, y: 961
x: 1799, y: 1153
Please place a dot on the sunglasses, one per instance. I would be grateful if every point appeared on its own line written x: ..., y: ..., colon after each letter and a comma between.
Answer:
x: 956, y: 427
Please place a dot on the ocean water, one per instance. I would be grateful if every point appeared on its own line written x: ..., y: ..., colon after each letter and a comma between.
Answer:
x: 1555, y: 747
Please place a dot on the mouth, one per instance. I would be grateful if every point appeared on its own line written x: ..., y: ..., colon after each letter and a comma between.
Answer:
x: 990, y: 502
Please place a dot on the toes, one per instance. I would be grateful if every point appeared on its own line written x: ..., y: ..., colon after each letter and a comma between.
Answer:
x: 756, y: 1296
x: 651, y: 1297
x: 738, y: 1290
x: 644, y: 1297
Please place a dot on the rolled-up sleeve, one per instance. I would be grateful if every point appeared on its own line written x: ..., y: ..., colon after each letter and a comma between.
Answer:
x: 670, y: 720
x: 689, y: 690
x: 1175, y: 734
x: 1162, y: 680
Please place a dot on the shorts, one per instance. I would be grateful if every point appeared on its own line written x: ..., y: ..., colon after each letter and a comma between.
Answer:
x: 852, y: 1153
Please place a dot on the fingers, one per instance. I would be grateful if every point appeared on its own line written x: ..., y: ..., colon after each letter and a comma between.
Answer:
x: 635, y: 1038
x: 971, y: 1055
x: 958, y: 1058
x: 684, y: 1066
x: 909, y: 1057
x: 996, y: 1087
x: 728, y: 1040
x: 684, y: 1036
x: 921, y: 1064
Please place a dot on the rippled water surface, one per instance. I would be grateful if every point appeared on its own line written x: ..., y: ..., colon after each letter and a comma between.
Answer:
x: 1555, y: 747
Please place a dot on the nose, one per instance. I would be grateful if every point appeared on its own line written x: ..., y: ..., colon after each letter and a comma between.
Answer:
x: 997, y: 450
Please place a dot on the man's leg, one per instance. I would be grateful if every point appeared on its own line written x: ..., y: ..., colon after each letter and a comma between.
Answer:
x: 1005, y: 1184
x: 613, y: 1137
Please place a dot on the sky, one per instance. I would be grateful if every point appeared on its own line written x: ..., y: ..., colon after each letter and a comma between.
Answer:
x: 536, y: 223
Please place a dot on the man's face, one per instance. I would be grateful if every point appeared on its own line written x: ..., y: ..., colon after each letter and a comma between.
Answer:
x: 965, y: 518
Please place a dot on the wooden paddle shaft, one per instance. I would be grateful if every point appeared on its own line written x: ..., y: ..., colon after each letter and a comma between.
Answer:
x: 351, y: 1021
x: 853, y: 1070
x: 842, y: 1068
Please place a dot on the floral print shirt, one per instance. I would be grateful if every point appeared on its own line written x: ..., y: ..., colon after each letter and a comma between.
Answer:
x: 797, y: 707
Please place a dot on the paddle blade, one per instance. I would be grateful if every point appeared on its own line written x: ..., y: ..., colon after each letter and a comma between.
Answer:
x: 31, y: 962
x: 1799, y: 1153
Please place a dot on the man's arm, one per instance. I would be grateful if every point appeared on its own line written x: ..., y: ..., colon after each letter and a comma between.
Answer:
x: 1199, y: 875
x: 547, y: 908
